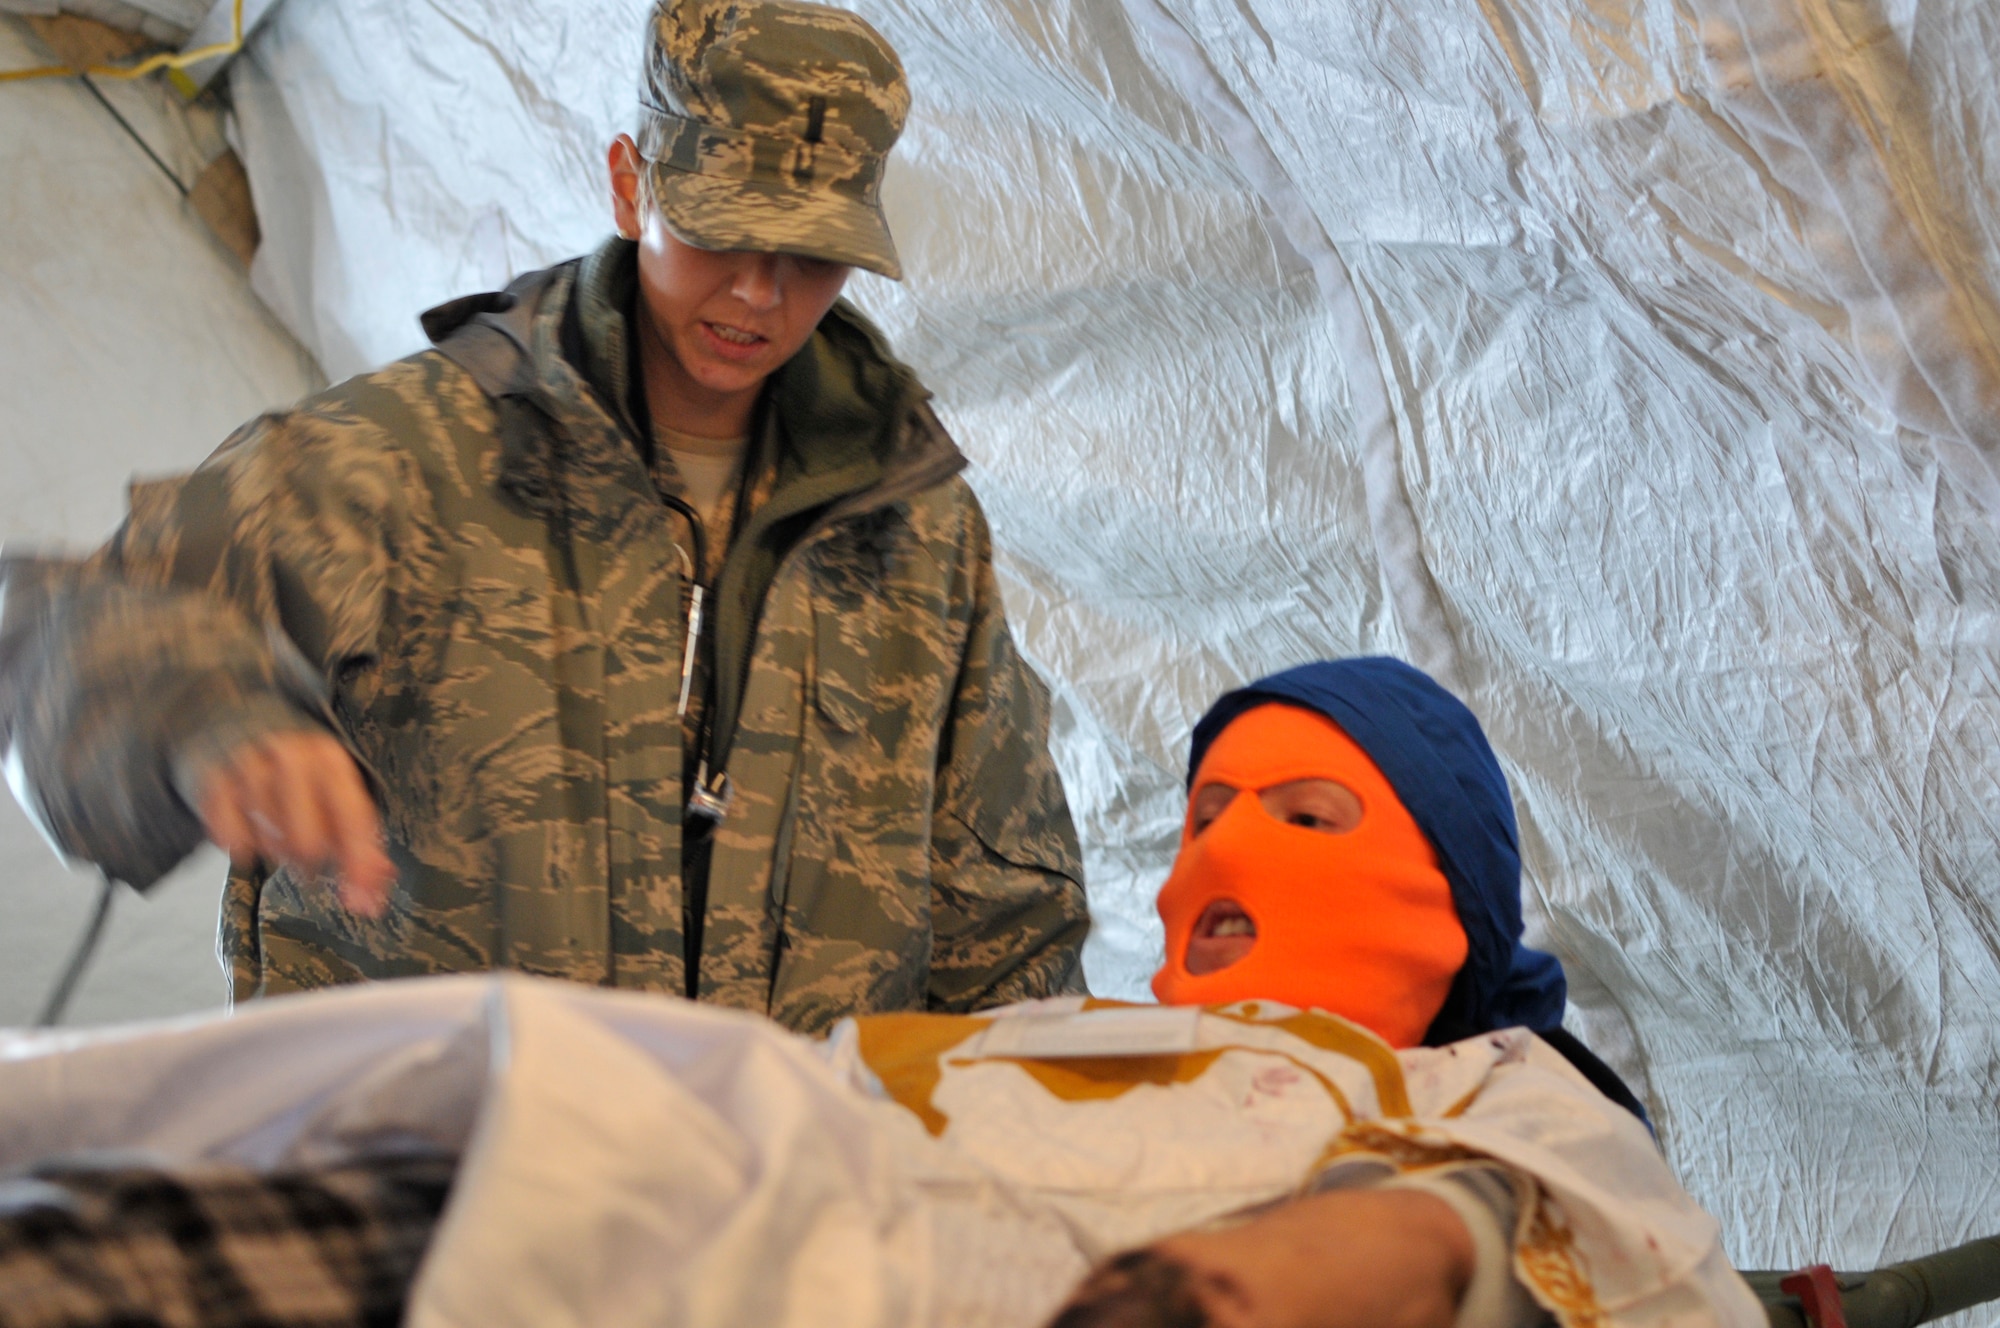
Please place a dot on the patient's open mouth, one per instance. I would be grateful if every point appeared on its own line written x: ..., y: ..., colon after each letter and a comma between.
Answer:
x: 1223, y: 934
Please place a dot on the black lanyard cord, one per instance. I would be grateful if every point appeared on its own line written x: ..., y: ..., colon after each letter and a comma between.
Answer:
x: 700, y: 539
x: 79, y: 960
x: 707, y: 802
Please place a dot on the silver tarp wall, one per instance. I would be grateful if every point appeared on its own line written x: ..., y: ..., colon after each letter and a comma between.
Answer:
x: 1629, y: 365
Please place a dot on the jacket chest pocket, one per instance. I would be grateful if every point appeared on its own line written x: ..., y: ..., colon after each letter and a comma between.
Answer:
x: 887, y: 647
x: 470, y: 710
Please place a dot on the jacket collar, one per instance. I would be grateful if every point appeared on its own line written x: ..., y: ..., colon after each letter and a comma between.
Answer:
x: 597, y: 328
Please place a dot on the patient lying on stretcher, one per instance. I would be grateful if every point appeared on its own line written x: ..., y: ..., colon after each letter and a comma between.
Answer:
x: 1336, y: 1117
x: 1349, y: 846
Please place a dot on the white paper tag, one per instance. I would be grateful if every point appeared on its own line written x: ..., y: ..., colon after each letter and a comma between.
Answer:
x: 1144, y: 1030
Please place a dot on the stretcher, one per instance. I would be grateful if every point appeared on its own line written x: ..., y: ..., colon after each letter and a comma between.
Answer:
x: 1898, y: 1296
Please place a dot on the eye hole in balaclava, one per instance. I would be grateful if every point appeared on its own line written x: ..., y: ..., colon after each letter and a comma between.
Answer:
x: 1325, y: 805
x: 1303, y: 879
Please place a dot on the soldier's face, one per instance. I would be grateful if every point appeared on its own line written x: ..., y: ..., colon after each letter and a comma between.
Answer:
x: 730, y: 319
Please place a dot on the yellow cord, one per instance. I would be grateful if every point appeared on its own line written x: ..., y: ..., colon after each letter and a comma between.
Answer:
x: 164, y: 60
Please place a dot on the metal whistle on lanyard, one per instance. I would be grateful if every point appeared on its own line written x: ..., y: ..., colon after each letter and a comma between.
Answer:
x: 693, y: 643
x: 691, y: 573
x: 709, y: 798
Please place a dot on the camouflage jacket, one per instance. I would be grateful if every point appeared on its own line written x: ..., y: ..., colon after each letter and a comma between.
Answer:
x: 460, y: 565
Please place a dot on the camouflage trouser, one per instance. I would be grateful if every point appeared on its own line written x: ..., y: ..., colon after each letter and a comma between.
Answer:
x: 101, y: 1243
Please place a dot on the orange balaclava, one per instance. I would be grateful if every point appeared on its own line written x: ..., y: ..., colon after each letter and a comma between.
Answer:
x: 1358, y: 922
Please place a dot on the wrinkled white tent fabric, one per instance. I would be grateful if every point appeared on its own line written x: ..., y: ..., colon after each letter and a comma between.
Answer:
x: 1630, y: 366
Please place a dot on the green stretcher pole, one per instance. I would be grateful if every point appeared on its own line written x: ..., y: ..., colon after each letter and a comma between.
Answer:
x: 1901, y: 1295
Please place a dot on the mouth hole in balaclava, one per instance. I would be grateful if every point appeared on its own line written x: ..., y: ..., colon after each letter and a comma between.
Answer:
x: 1223, y: 934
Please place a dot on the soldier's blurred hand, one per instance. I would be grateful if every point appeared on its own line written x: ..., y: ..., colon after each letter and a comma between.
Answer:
x: 297, y: 800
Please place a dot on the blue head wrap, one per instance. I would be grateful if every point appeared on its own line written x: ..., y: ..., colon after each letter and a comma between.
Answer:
x: 1434, y: 754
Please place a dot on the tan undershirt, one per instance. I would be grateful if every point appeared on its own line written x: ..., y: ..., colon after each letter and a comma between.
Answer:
x: 707, y: 469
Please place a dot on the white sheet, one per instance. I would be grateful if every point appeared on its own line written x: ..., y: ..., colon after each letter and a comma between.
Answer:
x: 1630, y: 365
x: 631, y: 1160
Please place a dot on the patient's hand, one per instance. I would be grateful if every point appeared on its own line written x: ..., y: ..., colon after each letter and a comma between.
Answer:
x: 1345, y: 1259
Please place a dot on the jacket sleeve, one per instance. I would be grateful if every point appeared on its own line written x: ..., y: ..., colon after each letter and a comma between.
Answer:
x: 219, y: 612
x: 1008, y: 911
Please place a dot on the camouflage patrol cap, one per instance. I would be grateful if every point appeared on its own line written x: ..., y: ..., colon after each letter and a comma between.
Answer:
x: 767, y: 123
